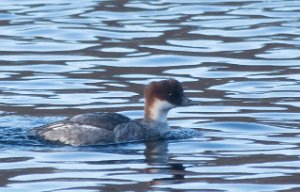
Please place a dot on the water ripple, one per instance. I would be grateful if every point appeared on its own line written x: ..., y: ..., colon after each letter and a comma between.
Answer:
x: 239, y: 59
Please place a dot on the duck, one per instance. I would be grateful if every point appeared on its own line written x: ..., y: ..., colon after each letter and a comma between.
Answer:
x: 100, y: 128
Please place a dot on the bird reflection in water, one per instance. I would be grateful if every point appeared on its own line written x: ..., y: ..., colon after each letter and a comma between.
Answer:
x: 157, y: 157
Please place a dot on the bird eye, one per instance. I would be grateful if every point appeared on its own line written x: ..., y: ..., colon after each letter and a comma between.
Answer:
x: 172, y: 94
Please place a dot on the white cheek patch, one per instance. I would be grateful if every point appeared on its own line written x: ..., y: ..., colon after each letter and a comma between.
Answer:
x: 159, y: 110
x: 163, y: 105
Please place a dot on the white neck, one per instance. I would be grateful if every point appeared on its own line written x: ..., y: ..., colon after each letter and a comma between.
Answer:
x: 158, y: 111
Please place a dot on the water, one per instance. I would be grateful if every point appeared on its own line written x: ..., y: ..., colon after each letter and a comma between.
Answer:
x: 239, y: 58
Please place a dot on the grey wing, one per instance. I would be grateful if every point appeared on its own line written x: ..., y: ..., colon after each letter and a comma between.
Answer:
x: 75, y: 134
x: 91, y: 128
x: 103, y: 120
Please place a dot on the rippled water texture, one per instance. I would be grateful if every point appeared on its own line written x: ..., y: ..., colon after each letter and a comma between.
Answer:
x: 240, y: 59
